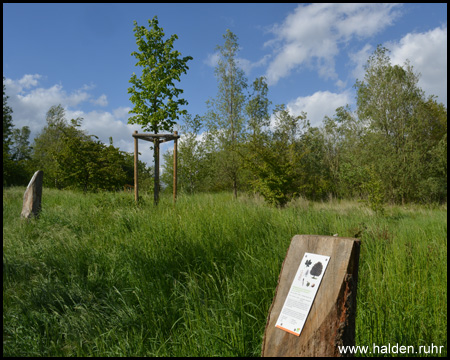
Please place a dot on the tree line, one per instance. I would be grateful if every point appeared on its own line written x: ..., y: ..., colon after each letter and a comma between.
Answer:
x: 391, y: 148
x: 70, y: 158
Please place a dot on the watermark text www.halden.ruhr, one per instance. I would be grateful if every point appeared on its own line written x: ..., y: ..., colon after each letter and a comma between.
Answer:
x: 392, y: 349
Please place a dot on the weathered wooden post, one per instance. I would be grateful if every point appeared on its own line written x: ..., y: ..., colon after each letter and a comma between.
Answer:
x: 175, y: 141
x: 331, y: 319
x: 33, y: 196
x: 136, y: 154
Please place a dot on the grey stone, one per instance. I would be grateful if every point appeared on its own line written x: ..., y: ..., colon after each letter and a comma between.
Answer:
x: 32, y: 197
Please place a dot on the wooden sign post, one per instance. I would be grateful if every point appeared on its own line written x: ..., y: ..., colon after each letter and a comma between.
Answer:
x: 331, y: 320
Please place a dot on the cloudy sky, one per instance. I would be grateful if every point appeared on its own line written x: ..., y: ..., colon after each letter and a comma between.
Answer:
x: 79, y: 55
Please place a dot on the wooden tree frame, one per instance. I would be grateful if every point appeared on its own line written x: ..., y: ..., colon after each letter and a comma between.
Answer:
x: 156, y: 139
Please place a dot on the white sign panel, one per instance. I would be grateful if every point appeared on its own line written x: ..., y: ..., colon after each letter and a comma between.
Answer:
x: 302, y: 293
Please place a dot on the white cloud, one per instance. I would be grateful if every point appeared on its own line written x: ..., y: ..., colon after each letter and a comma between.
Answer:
x: 30, y: 104
x: 360, y: 59
x: 318, y: 105
x: 212, y: 59
x: 341, y: 84
x: 17, y: 87
x: 247, y: 66
x: 313, y: 33
x: 427, y: 53
x: 122, y: 113
x: 101, y: 101
x: 28, y: 81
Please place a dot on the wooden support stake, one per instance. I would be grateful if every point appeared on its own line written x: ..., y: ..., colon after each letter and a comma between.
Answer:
x: 331, y: 320
x: 156, y: 154
x: 136, y: 154
x: 175, y: 141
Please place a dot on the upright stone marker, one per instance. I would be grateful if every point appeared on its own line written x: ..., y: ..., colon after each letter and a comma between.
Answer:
x: 331, y: 320
x: 33, y: 195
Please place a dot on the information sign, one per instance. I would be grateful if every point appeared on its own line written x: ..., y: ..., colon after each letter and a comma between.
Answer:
x: 302, y: 293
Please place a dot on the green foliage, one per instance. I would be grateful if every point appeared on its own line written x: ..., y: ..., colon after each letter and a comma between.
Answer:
x: 403, y: 129
x: 257, y: 109
x: 90, y: 165
x: 273, y: 179
x: 7, y: 121
x: 21, y: 149
x: 225, y: 119
x: 20, y: 157
x: 372, y: 188
x: 8, y: 163
x: 273, y: 160
x: 154, y: 93
x: 192, y: 170
x: 72, y: 159
x: 314, y: 176
x: 16, y: 149
x: 50, y: 142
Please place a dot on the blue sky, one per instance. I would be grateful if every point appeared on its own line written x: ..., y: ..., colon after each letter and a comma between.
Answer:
x: 79, y: 55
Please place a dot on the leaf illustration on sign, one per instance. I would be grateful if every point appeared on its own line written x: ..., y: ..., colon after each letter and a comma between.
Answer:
x: 316, y: 269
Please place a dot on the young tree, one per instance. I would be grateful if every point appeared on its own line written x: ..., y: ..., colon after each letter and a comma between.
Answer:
x: 21, y: 149
x: 20, y: 156
x: 226, y: 122
x: 193, y: 174
x: 313, y: 171
x: 343, y: 143
x: 88, y: 164
x: 7, y: 121
x: 276, y: 164
x: 258, y: 126
x: 257, y: 109
x: 16, y: 149
x: 154, y: 93
x: 50, y: 142
x: 8, y: 164
x: 400, y: 121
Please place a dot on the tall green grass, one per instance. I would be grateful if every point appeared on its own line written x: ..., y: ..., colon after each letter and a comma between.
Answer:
x: 97, y: 275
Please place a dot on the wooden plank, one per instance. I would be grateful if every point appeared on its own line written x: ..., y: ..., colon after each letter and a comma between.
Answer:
x: 331, y: 321
x: 151, y: 137
x: 146, y: 139
x: 167, y: 136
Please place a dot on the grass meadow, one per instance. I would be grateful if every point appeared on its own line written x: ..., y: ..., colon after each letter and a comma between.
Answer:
x: 97, y: 275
